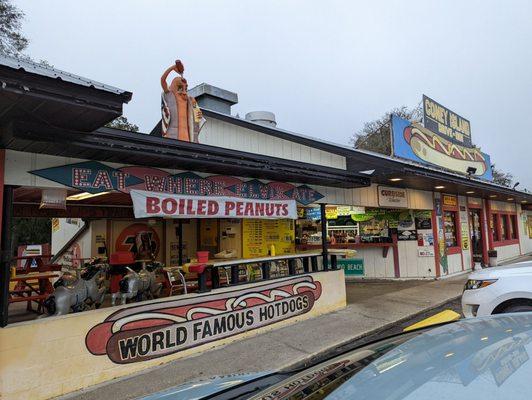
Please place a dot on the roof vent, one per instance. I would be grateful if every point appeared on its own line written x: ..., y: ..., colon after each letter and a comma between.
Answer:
x: 214, y: 98
x: 262, y: 117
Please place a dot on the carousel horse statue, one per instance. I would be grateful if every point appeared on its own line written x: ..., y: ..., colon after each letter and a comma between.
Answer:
x: 137, y: 284
x: 77, y: 294
x: 181, y: 116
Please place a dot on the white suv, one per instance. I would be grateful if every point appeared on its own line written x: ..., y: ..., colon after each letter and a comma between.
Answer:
x: 498, y: 290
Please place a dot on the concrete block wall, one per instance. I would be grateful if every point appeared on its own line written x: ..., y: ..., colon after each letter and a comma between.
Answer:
x: 48, y: 357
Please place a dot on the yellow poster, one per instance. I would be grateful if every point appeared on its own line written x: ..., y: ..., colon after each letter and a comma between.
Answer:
x: 55, y: 224
x: 253, y: 244
x: 465, y: 236
x: 331, y: 212
x: 258, y: 235
x: 529, y: 223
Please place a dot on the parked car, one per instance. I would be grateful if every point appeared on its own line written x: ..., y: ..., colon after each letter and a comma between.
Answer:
x: 498, y: 290
x: 477, y: 358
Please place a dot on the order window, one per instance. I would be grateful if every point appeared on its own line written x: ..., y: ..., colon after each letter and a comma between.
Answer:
x: 449, y: 223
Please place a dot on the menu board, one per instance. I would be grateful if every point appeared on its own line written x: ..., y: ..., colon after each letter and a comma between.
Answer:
x: 258, y: 235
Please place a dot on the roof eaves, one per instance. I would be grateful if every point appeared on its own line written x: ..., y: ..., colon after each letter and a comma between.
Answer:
x: 54, y: 73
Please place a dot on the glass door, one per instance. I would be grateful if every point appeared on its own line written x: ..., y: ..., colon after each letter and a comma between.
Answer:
x: 475, y: 231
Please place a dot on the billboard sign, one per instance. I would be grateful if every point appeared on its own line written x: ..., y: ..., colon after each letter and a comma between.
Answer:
x: 415, y: 142
x: 446, y: 123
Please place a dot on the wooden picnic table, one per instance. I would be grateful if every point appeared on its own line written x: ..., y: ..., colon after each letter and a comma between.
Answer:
x: 32, y: 287
x: 42, y: 266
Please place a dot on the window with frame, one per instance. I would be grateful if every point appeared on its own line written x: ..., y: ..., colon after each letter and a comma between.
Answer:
x: 494, y: 221
x: 504, y: 227
x: 514, y: 228
x: 450, y: 228
x: 505, y: 231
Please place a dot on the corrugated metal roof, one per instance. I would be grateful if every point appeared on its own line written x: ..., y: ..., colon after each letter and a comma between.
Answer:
x: 54, y: 73
x: 350, y: 152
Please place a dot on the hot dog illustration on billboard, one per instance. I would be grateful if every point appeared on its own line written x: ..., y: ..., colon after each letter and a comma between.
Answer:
x: 444, y: 141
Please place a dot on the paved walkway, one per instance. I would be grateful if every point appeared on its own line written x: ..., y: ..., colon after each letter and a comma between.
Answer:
x: 372, y: 305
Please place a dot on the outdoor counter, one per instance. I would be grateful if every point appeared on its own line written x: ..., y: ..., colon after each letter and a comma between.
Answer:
x: 231, y: 261
x: 309, y: 260
x: 350, y: 246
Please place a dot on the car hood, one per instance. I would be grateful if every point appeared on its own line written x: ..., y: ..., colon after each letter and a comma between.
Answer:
x: 479, y: 358
x: 204, y: 388
x: 522, y: 268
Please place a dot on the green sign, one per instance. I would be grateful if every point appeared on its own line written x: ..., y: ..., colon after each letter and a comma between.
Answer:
x: 352, y: 266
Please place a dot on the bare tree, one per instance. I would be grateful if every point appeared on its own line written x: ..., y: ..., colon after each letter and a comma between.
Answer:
x: 502, y: 178
x: 12, y: 41
x: 122, y: 123
x: 376, y: 135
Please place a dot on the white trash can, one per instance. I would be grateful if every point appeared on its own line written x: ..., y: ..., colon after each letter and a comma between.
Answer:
x: 492, y: 254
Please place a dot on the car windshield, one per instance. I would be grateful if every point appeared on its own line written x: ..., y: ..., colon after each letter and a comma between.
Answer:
x: 485, y: 358
x: 482, y: 358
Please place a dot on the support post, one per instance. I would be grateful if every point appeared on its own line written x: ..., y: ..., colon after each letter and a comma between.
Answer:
x: 334, y: 261
x: 314, y: 263
x: 180, y: 242
x: 292, y: 266
x: 202, y: 281
x: 265, y: 266
x: 5, y: 253
x: 324, y: 250
x: 215, y: 278
x: 305, y: 264
x: 234, y: 274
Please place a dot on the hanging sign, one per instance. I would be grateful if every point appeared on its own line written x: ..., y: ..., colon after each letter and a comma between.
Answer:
x: 153, y: 204
x: 392, y: 197
x: 96, y: 177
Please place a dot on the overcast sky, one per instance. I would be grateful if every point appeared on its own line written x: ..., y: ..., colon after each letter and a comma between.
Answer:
x: 323, y: 67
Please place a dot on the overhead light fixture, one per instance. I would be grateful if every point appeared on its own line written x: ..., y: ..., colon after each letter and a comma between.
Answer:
x: 524, y: 201
x: 493, y: 195
x: 84, y: 196
x: 509, y: 198
x: 439, y: 187
x: 367, y: 172
x: 470, y: 192
x: 395, y: 179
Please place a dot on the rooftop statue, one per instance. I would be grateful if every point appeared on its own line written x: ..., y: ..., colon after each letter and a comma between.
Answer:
x: 181, y: 116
